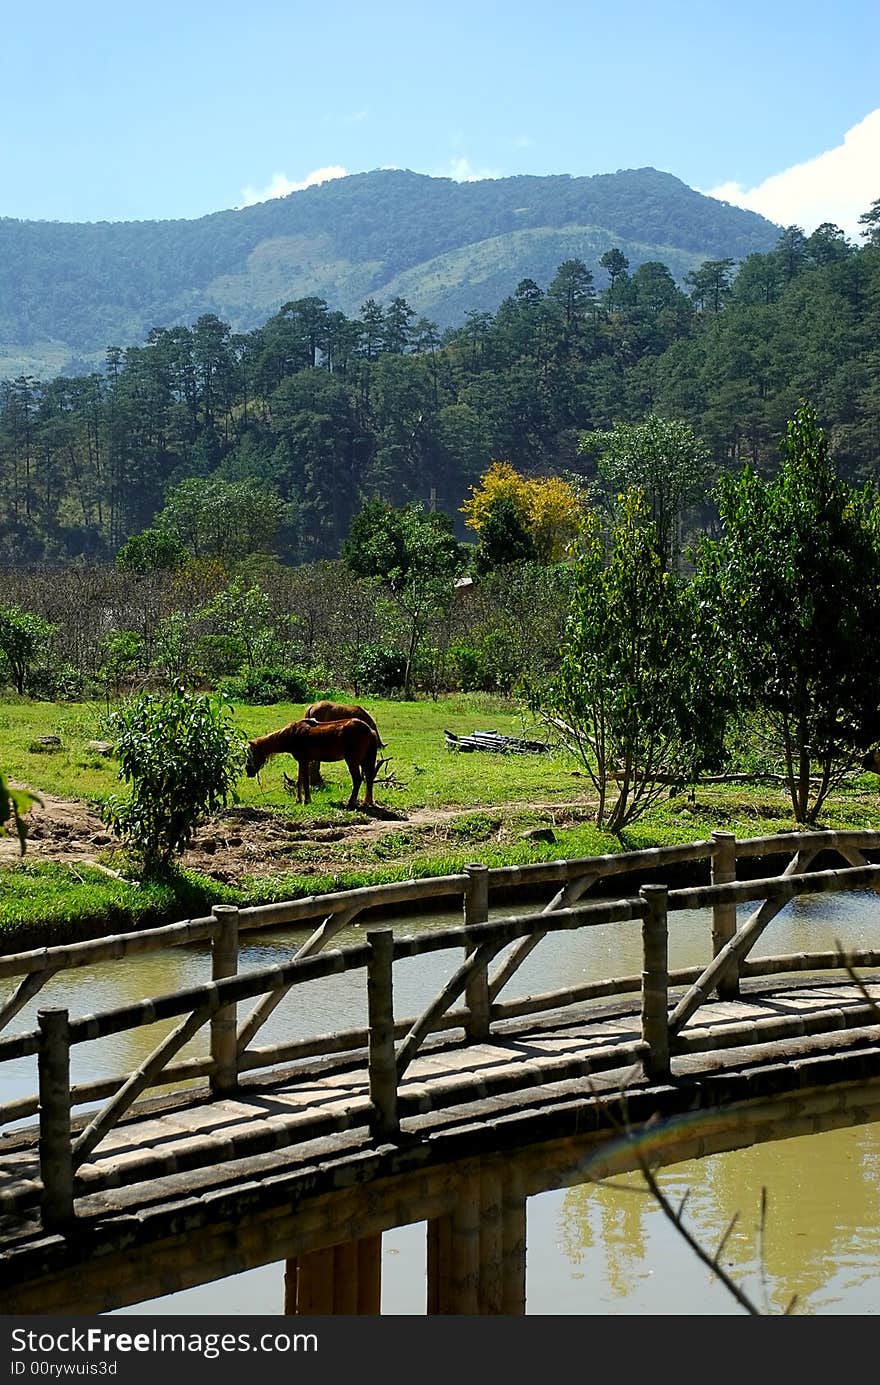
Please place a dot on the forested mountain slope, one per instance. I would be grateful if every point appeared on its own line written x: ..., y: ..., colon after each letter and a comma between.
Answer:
x: 312, y: 412
x: 67, y: 291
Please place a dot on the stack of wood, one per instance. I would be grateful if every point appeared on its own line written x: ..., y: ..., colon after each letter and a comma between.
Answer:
x: 493, y: 741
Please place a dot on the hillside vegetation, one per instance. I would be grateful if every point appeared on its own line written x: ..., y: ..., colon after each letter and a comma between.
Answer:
x: 68, y: 291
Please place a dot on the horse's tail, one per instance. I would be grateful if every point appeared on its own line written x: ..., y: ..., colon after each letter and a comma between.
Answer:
x: 371, y: 757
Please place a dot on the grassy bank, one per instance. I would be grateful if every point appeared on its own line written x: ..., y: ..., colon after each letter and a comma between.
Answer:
x: 444, y: 809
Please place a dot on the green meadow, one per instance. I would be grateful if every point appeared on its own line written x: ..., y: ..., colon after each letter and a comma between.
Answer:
x: 439, y: 809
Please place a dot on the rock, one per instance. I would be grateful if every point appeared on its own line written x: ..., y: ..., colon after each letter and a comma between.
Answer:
x: 45, y: 745
x: 540, y: 834
x: 100, y: 747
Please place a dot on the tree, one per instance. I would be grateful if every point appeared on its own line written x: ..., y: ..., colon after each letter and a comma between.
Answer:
x: 615, y: 264
x: 828, y: 244
x: 153, y: 550
x: 504, y: 536
x: 871, y: 222
x: 24, y: 639
x: 181, y: 757
x: 417, y: 557
x: 662, y: 457
x: 794, y: 584
x: 245, y: 614
x: 710, y: 284
x: 571, y: 289
x: 633, y: 696
x: 791, y: 252
x: 546, y: 510
x: 224, y: 519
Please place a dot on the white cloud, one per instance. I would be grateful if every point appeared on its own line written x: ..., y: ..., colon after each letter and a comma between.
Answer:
x: 461, y: 170
x: 281, y: 185
x: 837, y: 186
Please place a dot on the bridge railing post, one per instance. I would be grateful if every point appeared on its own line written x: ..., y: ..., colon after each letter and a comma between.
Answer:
x: 723, y: 872
x: 655, y: 982
x: 382, y: 1058
x: 224, y: 962
x: 476, y: 994
x: 55, y: 1146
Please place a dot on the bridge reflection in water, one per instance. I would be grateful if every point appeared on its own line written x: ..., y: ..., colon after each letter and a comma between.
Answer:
x: 458, y: 1134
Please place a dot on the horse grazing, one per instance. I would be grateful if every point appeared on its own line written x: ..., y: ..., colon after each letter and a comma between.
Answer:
x: 350, y: 740
x: 338, y: 711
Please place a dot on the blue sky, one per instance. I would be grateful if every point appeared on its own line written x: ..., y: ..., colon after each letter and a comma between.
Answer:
x: 113, y: 112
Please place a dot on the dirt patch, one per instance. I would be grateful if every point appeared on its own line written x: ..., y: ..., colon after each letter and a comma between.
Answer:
x: 247, y: 841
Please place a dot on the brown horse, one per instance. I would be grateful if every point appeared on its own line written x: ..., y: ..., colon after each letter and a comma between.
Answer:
x: 350, y: 740
x: 339, y: 711
x: 872, y: 761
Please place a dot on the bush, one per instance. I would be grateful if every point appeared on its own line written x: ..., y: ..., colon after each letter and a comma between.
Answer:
x: 219, y: 656
x: 181, y: 757
x: 60, y: 683
x: 467, y: 667
x: 380, y: 670
x: 269, y: 683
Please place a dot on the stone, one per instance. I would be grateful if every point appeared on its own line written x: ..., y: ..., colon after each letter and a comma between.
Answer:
x: 540, y: 834
x: 45, y: 745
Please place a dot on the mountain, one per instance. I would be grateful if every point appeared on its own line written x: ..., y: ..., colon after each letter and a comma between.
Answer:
x: 69, y: 290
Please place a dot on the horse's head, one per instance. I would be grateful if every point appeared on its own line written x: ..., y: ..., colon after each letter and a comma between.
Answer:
x: 250, y: 761
x: 872, y: 761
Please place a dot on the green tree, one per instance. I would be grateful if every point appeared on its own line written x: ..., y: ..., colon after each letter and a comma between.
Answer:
x: 632, y: 699
x: 871, y: 222
x: 153, y: 550
x: 417, y: 557
x: 710, y: 284
x: 181, y: 757
x: 123, y: 651
x: 245, y: 613
x: 794, y: 583
x: 505, y: 536
x: 662, y: 457
x: 224, y: 519
x: 615, y: 264
x: 24, y: 641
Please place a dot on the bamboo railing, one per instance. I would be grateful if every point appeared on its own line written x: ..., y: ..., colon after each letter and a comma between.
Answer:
x: 390, y: 1043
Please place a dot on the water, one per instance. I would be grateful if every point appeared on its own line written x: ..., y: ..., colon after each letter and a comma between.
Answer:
x: 602, y: 1249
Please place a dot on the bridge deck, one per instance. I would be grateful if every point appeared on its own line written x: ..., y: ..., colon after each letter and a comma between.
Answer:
x: 193, y: 1142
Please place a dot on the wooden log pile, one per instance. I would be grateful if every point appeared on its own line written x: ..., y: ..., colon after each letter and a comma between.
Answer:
x: 493, y: 741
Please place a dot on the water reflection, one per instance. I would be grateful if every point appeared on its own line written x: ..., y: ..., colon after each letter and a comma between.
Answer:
x: 820, y: 1241
x: 592, y: 1249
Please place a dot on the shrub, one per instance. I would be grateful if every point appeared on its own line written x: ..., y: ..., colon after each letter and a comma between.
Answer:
x: 269, y: 683
x: 467, y: 667
x: 181, y: 757
x: 219, y: 656
x: 380, y: 670
x: 60, y: 683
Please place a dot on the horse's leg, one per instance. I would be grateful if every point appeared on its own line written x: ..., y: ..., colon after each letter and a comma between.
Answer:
x: 302, y: 782
x: 315, y: 775
x: 369, y: 776
x: 354, y: 770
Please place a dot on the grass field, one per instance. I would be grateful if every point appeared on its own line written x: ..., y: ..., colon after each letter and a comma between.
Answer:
x: 445, y: 808
x: 413, y: 731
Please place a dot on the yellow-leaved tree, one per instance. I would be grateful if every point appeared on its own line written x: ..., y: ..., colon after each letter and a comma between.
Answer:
x: 520, y: 516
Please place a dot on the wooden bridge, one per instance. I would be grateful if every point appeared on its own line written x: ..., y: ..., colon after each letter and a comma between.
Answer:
x: 307, y: 1150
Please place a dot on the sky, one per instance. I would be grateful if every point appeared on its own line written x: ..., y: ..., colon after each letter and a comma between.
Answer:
x: 112, y: 112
